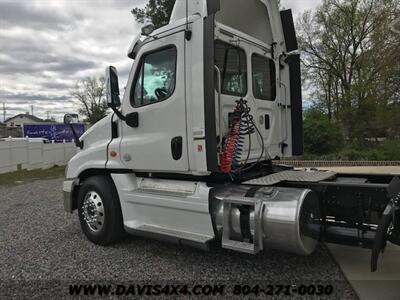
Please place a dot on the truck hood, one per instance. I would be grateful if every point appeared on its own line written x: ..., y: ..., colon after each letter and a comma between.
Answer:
x: 98, y: 133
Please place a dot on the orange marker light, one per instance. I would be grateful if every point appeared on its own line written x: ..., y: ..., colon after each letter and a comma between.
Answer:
x: 113, y: 154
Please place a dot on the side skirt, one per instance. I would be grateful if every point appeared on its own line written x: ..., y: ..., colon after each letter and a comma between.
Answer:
x: 166, y: 209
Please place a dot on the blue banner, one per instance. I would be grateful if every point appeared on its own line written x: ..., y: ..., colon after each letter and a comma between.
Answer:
x: 53, y: 132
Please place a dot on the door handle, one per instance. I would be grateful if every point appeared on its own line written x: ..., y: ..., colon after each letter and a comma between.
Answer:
x: 267, y: 122
x: 176, y: 147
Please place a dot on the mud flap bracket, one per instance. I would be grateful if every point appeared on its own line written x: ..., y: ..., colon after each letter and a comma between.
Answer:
x: 389, y: 226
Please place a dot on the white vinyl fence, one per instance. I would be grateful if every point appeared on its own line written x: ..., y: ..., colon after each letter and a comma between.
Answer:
x: 25, y: 153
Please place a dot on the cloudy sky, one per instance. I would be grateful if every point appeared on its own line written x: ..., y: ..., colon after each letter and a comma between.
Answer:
x: 47, y: 45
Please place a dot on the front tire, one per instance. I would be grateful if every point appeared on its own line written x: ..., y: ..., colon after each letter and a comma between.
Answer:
x: 99, y: 210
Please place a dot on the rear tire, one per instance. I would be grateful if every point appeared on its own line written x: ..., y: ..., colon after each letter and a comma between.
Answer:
x: 99, y: 210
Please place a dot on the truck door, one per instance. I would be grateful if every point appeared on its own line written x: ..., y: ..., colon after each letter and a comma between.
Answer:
x: 248, y: 72
x: 265, y: 96
x: 156, y: 92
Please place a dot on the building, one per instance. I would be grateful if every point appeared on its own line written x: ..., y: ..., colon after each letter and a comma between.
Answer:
x: 20, y: 119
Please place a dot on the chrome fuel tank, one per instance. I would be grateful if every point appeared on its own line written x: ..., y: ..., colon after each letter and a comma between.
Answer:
x: 249, y: 219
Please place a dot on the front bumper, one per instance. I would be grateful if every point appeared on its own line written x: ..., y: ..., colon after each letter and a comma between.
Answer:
x: 68, y: 193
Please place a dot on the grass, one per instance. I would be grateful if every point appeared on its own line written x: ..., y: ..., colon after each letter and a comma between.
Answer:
x: 24, y: 176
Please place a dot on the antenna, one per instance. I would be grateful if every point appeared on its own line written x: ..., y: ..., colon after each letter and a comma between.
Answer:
x: 188, y: 33
x: 187, y: 14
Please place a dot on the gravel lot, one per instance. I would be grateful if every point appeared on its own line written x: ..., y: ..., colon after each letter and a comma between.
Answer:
x: 42, y: 251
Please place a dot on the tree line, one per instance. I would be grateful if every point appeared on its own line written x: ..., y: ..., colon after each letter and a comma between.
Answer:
x: 351, y: 67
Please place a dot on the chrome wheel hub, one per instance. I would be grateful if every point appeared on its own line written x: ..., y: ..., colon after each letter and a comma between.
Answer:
x: 93, y: 211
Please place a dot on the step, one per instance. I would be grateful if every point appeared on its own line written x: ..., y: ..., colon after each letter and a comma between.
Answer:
x: 240, y: 246
x: 246, y: 247
x: 180, y: 235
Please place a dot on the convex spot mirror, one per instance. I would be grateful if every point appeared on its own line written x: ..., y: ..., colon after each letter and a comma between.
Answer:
x: 71, y: 119
x: 112, y: 87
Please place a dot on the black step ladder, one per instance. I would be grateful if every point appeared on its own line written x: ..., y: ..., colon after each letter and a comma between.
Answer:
x: 254, y: 246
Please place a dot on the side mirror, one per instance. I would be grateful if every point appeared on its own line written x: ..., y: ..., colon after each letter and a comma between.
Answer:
x: 112, y: 87
x: 71, y: 119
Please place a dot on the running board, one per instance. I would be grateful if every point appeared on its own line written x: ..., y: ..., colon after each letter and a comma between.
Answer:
x: 171, y: 235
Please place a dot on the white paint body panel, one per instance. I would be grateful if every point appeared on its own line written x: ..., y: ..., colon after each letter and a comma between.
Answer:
x: 175, y: 205
x: 94, y: 153
x: 256, y: 23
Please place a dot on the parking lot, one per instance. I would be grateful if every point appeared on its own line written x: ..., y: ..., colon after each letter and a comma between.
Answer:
x: 42, y: 251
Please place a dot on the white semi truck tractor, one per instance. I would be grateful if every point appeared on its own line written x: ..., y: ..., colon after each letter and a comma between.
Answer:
x: 211, y: 100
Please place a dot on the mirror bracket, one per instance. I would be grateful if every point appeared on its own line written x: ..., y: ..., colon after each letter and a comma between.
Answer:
x: 118, y: 113
x: 132, y: 119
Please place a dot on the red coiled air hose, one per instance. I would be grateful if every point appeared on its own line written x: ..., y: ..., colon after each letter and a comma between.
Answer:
x: 226, y: 157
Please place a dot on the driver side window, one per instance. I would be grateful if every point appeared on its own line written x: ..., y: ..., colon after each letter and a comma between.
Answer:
x: 155, y: 81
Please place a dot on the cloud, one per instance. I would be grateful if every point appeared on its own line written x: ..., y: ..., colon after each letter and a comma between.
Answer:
x: 54, y: 85
x: 46, y: 46
x: 31, y: 63
x: 23, y: 13
x: 28, y: 96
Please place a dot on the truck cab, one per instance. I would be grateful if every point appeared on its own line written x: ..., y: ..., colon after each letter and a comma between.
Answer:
x: 186, y: 155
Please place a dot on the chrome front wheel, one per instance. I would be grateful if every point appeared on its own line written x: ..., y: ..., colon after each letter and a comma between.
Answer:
x: 99, y: 210
x: 93, y: 211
